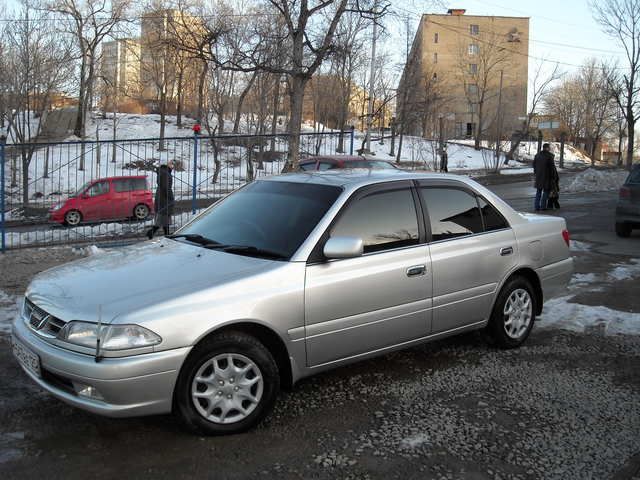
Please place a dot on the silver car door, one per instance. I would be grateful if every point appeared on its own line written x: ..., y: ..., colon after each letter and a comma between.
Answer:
x: 383, y: 298
x: 472, y: 250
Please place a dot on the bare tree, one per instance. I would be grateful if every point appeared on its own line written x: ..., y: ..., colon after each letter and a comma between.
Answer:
x: 37, y: 66
x: 620, y: 19
x: 540, y: 83
x: 89, y: 22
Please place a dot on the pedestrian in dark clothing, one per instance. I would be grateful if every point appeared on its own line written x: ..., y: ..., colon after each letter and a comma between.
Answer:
x: 164, y: 199
x: 554, y: 192
x: 543, y: 166
x: 444, y: 160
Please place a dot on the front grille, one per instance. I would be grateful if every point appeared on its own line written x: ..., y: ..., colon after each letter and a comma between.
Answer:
x: 40, y: 321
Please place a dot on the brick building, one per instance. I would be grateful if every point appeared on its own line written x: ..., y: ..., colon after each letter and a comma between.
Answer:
x: 453, y: 72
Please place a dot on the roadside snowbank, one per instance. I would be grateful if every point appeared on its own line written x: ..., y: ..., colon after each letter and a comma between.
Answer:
x: 596, y: 180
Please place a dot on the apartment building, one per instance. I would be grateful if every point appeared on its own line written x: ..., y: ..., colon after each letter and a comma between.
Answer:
x: 120, y: 68
x: 471, y: 71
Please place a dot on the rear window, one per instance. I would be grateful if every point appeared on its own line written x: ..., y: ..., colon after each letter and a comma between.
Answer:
x: 634, y: 176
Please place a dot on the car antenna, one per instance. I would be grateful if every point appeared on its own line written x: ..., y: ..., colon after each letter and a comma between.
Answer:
x: 98, y: 357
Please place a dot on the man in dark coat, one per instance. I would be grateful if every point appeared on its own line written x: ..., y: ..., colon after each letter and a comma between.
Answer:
x: 164, y: 199
x: 543, y: 166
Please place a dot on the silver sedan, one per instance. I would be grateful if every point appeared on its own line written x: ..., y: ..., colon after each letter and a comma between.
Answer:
x: 287, y: 277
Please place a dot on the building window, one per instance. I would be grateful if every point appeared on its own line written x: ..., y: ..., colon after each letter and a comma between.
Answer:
x: 474, y: 29
x: 473, y: 107
x: 435, y: 58
x: 472, y: 90
x: 474, y: 49
x: 435, y: 75
x: 471, y: 129
x: 435, y: 38
x: 473, y: 68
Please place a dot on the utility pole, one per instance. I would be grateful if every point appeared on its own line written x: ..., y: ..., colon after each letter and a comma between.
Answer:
x: 372, y: 76
x: 499, y: 123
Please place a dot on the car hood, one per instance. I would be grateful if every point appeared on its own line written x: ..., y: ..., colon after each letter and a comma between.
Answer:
x: 125, y: 280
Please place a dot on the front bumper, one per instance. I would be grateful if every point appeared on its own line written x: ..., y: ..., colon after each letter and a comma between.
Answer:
x: 130, y: 386
x: 55, y: 216
x: 555, y: 277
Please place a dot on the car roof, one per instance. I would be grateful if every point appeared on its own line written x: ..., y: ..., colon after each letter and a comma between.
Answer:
x: 119, y: 177
x: 342, y: 158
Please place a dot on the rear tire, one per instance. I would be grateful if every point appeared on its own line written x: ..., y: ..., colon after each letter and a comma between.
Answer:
x: 623, y: 229
x: 513, y: 314
x: 72, y: 218
x: 141, y: 211
x: 227, y: 385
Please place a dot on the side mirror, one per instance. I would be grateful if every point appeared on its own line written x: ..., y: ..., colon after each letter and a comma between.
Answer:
x: 84, y: 196
x: 343, y: 247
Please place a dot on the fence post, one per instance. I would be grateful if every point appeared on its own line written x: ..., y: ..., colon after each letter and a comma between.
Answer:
x: 195, y: 172
x: 2, y: 190
x: 352, y: 135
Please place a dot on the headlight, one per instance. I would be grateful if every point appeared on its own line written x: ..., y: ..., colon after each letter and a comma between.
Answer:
x: 57, y: 206
x: 112, y: 337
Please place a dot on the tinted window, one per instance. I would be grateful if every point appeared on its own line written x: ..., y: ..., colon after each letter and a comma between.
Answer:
x: 275, y: 216
x: 98, y: 189
x: 375, y: 164
x: 492, y: 218
x: 308, y: 166
x: 138, y: 184
x: 123, y: 185
x: 453, y: 213
x: 326, y: 166
x: 634, y: 176
x: 383, y: 220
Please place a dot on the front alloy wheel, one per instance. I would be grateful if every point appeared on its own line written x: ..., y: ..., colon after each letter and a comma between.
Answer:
x: 518, y: 313
x: 228, y: 384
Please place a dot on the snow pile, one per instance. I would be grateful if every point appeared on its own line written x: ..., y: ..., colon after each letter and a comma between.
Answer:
x: 9, y: 308
x: 527, y: 151
x: 596, y: 180
x: 563, y: 314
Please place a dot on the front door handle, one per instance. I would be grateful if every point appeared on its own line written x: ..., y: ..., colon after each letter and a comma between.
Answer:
x: 506, y: 251
x: 416, y: 270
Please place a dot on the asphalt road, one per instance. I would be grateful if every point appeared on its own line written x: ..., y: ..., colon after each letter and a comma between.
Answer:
x: 564, y: 406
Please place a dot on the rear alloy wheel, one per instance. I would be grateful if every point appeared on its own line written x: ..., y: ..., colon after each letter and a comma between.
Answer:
x: 72, y: 218
x: 623, y: 229
x: 513, y: 314
x: 141, y: 211
x: 227, y: 385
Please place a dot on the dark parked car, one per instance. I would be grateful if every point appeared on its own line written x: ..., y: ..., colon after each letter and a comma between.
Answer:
x: 344, y: 161
x: 628, y: 209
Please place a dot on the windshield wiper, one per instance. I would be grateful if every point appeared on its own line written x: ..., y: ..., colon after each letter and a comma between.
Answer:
x: 246, y: 249
x: 195, y: 238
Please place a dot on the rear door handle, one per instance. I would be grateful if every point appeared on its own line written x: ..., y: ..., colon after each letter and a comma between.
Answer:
x: 416, y: 270
x: 506, y: 251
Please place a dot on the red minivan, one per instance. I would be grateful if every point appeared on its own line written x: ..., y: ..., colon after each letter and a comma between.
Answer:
x: 112, y: 198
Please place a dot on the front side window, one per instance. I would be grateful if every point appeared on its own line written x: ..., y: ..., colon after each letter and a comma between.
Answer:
x: 270, y: 216
x: 98, y: 188
x: 453, y: 213
x: 384, y: 221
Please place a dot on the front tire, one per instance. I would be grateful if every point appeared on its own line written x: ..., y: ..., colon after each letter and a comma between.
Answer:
x: 513, y: 314
x: 141, y: 211
x: 623, y: 229
x: 227, y: 385
x: 72, y: 218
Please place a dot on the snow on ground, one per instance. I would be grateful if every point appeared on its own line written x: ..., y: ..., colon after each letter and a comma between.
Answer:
x: 9, y: 308
x: 592, y: 180
x: 516, y: 171
x: 576, y: 246
x: 562, y: 313
x: 528, y: 150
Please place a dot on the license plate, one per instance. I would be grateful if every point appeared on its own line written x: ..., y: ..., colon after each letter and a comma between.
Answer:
x: 26, y: 357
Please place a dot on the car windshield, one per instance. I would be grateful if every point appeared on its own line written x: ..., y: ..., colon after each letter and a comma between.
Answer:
x: 81, y: 190
x: 265, y: 218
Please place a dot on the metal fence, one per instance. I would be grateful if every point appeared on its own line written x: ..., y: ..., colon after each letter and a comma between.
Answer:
x: 108, y: 185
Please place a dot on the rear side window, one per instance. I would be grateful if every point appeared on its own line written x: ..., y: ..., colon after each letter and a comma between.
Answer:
x: 139, y: 184
x: 384, y: 221
x: 634, y: 176
x: 308, y: 166
x: 122, y: 185
x: 453, y: 213
x: 326, y: 166
x: 493, y: 220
